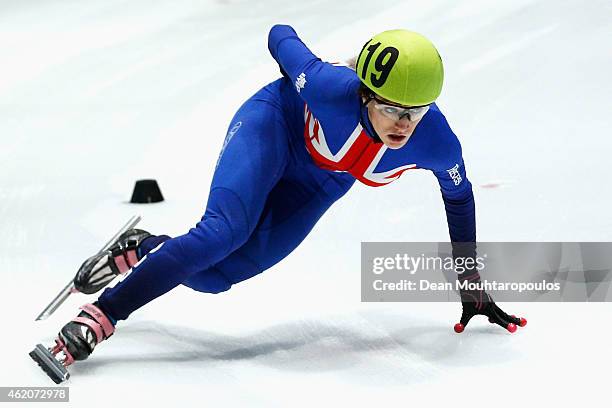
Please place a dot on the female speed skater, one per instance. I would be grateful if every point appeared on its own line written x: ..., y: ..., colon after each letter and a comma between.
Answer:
x: 293, y: 149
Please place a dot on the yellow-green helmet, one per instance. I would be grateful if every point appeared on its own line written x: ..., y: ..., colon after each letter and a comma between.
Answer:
x: 401, y: 66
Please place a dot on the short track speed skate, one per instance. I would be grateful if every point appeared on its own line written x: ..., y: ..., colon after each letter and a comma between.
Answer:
x: 78, y: 338
x: 76, y: 341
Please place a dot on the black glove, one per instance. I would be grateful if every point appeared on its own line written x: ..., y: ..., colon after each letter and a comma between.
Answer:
x: 478, y: 302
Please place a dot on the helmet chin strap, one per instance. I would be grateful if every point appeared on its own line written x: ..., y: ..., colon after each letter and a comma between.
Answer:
x: 366, y: 123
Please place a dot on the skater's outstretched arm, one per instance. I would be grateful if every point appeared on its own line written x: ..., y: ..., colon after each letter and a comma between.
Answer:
x: 318, y: 83
x: 448, y: 166
x: 445, y: 160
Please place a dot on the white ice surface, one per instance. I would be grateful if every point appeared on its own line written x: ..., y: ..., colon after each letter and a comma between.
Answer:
x: 96, y: 94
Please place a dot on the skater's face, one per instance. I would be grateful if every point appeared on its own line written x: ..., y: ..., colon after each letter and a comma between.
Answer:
x: 394, y: 130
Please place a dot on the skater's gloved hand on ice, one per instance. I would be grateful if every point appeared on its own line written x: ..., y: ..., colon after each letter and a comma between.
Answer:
x: 478, y: 302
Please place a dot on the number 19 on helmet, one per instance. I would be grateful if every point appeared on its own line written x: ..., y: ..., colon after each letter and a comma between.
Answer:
x: 401, y: 66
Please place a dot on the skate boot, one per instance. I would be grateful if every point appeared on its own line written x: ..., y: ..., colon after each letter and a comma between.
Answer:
x: 100, y: 269
x: 80, y: 336
x: 75, y: 341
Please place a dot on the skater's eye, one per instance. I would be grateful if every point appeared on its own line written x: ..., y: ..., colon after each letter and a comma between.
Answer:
x: 391, y: 110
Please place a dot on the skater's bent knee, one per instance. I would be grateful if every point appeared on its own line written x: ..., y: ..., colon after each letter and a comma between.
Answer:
x: 219, y: 289
x: 208, y: 281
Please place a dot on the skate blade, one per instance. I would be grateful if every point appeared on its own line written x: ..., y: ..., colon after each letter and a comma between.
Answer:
x: 54, y: 369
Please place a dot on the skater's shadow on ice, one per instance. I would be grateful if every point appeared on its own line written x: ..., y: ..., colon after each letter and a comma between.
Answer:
x: 409, y: 354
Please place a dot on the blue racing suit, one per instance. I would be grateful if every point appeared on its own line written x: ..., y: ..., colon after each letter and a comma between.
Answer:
x: 291, y: 151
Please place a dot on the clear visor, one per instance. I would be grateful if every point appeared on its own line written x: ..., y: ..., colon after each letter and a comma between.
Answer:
x: 397, y: 113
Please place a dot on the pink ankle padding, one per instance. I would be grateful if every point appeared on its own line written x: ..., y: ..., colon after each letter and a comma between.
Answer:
x: 121, y: 264
x: 100, y: 318
x: 93, y: 325
x: 132, y: 259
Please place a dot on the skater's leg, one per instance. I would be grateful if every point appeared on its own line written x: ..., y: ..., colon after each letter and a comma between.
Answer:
x: 253, y: 160
x: 293, y: 208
